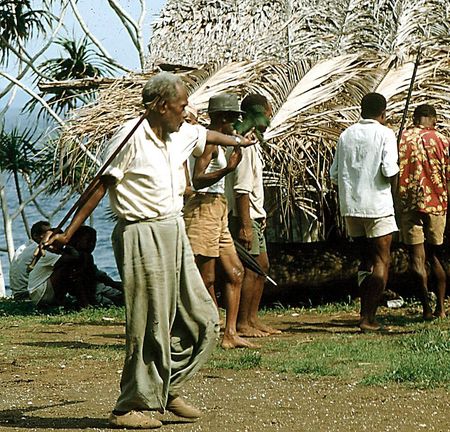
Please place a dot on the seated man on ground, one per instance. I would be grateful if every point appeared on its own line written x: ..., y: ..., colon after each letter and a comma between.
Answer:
x: 18, y: 270
x: 108, y: 292
x: 73, y: 272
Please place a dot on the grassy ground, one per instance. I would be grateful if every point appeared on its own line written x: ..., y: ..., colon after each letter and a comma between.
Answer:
x: 408, y: 351
x: 76, y: 358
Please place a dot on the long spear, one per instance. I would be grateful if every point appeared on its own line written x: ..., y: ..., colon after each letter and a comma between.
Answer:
x: 408, y: 97
x: 92, y: 187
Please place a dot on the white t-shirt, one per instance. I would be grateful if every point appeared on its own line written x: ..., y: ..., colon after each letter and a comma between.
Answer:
x: 18, y: 270
x: 247, y: 178
x: 366, y: 155
x: 150, y: 177
x: 40, y: 274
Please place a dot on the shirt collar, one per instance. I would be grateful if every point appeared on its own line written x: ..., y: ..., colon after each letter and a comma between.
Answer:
x: 369, y: 121
x: 150, y: 134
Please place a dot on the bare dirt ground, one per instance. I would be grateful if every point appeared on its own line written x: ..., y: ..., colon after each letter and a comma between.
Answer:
x: 42, y: 392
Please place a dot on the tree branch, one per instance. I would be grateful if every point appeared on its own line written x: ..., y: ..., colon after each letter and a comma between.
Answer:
x: 40, y: 52
x: 134, y: 29
x: 94, y: 40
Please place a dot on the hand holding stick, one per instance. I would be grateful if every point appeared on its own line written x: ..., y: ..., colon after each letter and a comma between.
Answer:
x: 56, y: 239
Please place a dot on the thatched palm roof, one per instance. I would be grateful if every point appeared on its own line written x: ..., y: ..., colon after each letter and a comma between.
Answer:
x: 338, y: 52
x: 195, y: 32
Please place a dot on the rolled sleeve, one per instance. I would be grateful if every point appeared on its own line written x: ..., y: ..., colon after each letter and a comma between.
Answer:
x: 118, y: 165
x: 243, y: 175
x: 201, y: 141
x: 389, y: 163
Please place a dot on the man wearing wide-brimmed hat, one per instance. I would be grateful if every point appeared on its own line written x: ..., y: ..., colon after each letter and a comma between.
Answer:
x: 206, y: 215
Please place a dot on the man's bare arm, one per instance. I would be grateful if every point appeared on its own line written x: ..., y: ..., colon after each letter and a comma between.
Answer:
x: 245, y: 235
x: 54, y: 240
x: 218, y: 138
x: 201, y: 179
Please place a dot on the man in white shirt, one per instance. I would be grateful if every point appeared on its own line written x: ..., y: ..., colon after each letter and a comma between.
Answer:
x: 365, y: 169
x: 18, y: 270
x: 245, y: 194
x: 171, y: 320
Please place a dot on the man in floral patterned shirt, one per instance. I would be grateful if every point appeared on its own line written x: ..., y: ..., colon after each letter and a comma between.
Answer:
x: 423, y: 190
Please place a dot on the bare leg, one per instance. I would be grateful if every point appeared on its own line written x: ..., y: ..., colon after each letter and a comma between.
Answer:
x: 206, y: 266
x: 418, y: 269
x: 234, y: 274
x: 441, y: 280
x: 373, y: 286
x: 248, y: 323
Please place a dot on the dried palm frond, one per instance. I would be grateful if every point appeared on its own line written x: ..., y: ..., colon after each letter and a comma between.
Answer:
x: 313, y: 60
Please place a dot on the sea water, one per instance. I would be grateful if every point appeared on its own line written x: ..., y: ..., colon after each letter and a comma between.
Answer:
x: 101, y: 220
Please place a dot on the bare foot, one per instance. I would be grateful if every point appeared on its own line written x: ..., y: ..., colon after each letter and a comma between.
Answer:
x: 367, y: 326
x: 230, y: 342
x: 439, y: 314
x: 266, y: 329
x: 248, y: 331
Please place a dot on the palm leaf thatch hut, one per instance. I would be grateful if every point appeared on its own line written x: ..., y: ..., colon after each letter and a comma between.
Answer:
x: 313, y: 59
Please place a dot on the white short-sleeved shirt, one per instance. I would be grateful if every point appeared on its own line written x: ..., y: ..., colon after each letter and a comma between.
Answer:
x: 18, y: 270
x: 247, y: 178
x: 366, y: 155
x: 150, y: 177
x: 41, y: 273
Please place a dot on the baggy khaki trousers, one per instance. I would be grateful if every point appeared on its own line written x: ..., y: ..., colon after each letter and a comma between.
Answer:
x: 171, y: 320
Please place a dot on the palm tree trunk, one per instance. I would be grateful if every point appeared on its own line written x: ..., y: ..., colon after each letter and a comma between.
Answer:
x: 19, y: 197
x: 7, y: 221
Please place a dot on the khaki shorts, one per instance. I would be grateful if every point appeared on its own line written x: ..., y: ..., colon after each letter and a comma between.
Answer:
x: 418, y: 227
x: 206, y: 220
x: 43, y: 294
x: 370, y: 227
x: 259, y: 242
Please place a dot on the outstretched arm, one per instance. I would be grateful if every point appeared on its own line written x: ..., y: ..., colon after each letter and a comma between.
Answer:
x: 218, y: 138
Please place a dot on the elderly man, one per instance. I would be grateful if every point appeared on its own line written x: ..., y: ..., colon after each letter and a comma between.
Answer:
x: 365, y: 169
x: 171, y: 320
x: 423, y: 192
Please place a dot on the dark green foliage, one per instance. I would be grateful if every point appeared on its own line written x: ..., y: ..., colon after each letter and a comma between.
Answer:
x: 19, y: 22
x: 17, y: 150
x: 254, y: 119
x: 78, y: 61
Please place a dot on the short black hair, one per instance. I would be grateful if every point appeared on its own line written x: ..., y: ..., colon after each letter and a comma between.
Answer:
x: 424, y: 110
x: 82, y: 231
x: 253, y: 100
x: 372, y: 105
x: 39, y: 228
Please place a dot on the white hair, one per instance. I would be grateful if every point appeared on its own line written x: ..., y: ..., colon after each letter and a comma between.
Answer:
x: 163, y: 85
